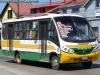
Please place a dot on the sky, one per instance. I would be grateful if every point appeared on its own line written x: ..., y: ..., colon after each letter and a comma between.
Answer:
x: 2, y: 5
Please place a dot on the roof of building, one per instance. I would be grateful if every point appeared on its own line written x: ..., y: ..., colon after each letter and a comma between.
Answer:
x: 75, y: 2
x: 24, y: 9
x: 45, y: 15
x: 48, y: 4
x: 68, y: 3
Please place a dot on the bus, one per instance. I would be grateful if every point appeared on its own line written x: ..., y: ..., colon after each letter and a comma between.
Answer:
x: 52, y: 38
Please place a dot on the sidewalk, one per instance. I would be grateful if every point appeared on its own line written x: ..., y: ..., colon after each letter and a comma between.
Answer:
x: 4, y: 72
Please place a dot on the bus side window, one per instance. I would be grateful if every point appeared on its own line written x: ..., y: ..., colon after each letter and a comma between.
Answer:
x: 52, y: 33
x: 24, y: 35
x: 33, y: 30
x: 17, y: 35
x: 22, y: 30
x: 4, y: 31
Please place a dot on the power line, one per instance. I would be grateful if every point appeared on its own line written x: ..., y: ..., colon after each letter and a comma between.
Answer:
x: 26, y: 1
x: 21, y: 1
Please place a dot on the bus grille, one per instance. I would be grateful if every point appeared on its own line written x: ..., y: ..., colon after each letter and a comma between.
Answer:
x: 83, y: 51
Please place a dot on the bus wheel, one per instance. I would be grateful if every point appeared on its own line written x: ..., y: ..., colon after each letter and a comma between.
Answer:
x: 55, y: 63
x: 87, y: 64
x: 18, y: 59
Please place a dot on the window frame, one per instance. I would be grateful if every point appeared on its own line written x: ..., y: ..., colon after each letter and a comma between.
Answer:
x: 74, y: 10
x: 26, y: 31
x: 97, y: 3
x: 6, y: 37
x: 33, y: 11
x: 42, y: 10
x: 54, y: 28
x: 9, y: 14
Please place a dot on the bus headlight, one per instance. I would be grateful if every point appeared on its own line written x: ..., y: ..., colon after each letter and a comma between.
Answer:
x: 69, y: 50
x: 96, y: 49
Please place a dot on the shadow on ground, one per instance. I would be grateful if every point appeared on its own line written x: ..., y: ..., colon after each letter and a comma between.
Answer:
x: 67, y: 67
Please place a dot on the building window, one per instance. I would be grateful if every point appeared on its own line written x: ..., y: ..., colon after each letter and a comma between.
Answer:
x: 64, y: 11
x: 97, y: 3
x: 74, y: 10
x: 96, y: 31
x: 33, y: 11
x: 9, y: 14
x: 42, y: 10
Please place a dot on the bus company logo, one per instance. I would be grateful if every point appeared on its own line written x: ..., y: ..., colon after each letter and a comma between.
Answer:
x: 84, y: 52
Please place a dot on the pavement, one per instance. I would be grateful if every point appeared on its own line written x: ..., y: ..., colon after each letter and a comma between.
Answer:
x: 3, y: 72
x: 8, y: 67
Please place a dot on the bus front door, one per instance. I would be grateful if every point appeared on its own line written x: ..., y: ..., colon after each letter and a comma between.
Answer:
x: 43, y: 38
x: 10, y: 37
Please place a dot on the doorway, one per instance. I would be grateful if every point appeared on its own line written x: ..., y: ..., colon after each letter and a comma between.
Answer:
x: 43, y: 39
x: 10, y: 37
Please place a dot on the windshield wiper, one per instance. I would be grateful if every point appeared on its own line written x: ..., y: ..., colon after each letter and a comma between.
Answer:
x: 84, y: 34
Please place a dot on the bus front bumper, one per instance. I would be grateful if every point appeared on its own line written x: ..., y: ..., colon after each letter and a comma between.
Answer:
x: 75, y: 58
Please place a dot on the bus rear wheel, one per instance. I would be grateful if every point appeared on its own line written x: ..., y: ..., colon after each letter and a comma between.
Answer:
x: 18, y: 59
x: 55, y: 63
x: 87, y: 64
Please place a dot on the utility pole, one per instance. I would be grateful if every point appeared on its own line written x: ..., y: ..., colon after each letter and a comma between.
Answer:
x: 50, y: 2
x: 18, y: 9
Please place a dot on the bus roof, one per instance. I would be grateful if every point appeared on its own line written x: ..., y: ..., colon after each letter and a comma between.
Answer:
x: 46, y: 15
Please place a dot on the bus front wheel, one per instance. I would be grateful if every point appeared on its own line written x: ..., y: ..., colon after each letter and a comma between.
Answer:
x: 55, y: 63
x: 87, y: 64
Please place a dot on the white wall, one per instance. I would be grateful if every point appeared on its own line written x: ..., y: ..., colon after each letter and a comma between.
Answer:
x: 96, y: 23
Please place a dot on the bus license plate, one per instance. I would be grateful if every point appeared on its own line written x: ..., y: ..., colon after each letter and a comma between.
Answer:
x: 84, y: 58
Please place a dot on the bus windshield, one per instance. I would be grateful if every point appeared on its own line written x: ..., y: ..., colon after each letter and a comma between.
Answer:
x: 73, y: 28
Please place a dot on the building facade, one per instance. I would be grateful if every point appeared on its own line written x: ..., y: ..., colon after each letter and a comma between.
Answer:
x: 0, y: 24
x: 14, y: 11
x: 87, y: 8
x: 0, y: 30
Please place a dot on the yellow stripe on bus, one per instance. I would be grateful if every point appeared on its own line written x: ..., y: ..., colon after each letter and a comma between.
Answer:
x: 81, y: 46
x: 71, y: 46
x: 16, y: 44
x: 85, y: 46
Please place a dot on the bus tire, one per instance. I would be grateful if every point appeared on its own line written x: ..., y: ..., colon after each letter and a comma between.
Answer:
x: 87, y: 64
x: 55, y: 63
x: 18, y: 59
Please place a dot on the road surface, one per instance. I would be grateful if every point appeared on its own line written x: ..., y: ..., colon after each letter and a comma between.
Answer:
x: 9, y: 67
